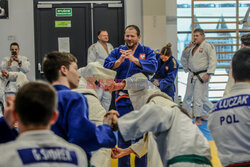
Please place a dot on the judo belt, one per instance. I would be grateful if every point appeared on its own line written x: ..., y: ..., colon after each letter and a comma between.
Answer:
x: 244, y: 164
x: 122, y: 95
x: 7, y: 84
x: 198, y: 76
x: 192, y: 158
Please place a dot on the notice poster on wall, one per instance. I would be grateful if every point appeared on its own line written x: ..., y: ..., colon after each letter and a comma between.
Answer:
x: 4, y: 11
x: 64, y: 44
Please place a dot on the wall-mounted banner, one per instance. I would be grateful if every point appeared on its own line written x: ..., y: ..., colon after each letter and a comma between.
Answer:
x: 63, y: 12
x: 63, y: 24
x: 4, y: 11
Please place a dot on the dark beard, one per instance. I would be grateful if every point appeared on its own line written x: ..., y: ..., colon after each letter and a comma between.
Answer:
x: 131, y: 47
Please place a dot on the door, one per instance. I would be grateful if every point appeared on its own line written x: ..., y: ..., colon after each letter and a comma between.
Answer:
x: 111, y: 18
x: 69, y: 33
x: 76, y: 29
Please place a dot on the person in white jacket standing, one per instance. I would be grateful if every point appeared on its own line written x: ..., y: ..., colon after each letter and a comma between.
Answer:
x: 245, y: 42
x: 199, y: 59
x: 98, y: 52
x: 229, y: 121
x: 14, y: 63
x: 19, y: 78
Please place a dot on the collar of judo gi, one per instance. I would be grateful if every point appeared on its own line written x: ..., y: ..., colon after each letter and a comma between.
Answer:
x: 141, y: 91
x: 93, y: 72
x: 96, y: 71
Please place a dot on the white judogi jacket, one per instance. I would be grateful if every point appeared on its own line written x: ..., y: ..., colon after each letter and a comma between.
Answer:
x: 173, y: 132
x: 96, y: 111
x: 95, y: 71
x: 25, y: 68
x: 229, y: 124
x: 41, y: 148
x: 97, y: 53
x: 230, y: 83
x: 18, y: 78
x: 203, y: 59
x: 101, y: 157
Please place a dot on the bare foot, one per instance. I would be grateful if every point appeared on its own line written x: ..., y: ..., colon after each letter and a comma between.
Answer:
x: 198, y: 121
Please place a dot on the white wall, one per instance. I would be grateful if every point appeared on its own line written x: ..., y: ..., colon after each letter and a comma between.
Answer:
x: 154, y: 23
x: 19, y: 27
x: 159, y: 23
x: 171, y: 24
x: 133, y: 13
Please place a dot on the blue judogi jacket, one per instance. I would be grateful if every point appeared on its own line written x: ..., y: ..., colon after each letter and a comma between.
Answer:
x: 166, y: 74
x: 74, y: 125
x: 149, y: 63
x: 6, y: 133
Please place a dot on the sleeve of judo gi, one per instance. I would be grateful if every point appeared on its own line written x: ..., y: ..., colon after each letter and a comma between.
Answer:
x: 150, y: 118
x: 212, y: 59
x: 171, y: 75
x: 6, y: 133
x: 25, y: 68
x: 184, y: 59
x: 141, y: 147
x: 4, y: 63
x: 12, y: 76
x: 91, y: 54
x: 150, y: 64
x: 83, y: 132
x: 111, y: 59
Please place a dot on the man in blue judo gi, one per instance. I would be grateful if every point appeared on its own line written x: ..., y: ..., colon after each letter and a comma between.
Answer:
x: 128, y: 60
x: 73, y: 123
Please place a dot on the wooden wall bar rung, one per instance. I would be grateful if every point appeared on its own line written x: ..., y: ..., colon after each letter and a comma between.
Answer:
x: 213, y: 0
x: 216, y: 89
x: 212, y: 17
x: 221, y: 75
x: 226, y: 44
x: 220, y: 30
x: 215, y: 97
x: 224, y: 59
x: 224, y: 52
x: 227, y: 67
x: 220, y: 37
x: 244, y: 30
x: 221, y: 0
x: 215, y: 22
x: 217, y: 82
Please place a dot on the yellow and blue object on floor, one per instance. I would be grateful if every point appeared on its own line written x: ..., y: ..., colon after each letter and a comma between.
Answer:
x: 215, y: 159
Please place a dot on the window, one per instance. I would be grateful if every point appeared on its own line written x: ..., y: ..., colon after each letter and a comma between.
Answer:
x: 219, y: 19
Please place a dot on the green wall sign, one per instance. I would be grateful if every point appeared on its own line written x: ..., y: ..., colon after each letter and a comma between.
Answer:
x: 63, y: 23
x: 63, y: 12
